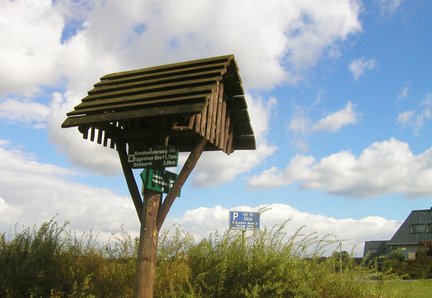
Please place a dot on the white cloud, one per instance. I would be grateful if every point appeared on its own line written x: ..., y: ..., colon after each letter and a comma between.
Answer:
x: 405, y: 117
x: 382, y: 168
x: 284, y: 40
x: 33, y: 192
x: 29, y: 55
x: 28, y: 112
x: 300, y: 123
x: 389, y: 6
x: 359, y: 66
x: 335, y: 121
x: 403, y: 93
x: 353, y: 233
x: 282, y: 32
x: 418, y: 118
x: 81, y: 152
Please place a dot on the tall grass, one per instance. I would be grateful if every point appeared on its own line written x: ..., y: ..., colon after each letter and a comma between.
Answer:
x: 53, y: 262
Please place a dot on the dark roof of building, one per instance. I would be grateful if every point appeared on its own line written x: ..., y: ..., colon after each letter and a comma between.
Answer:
x: 137, y: 105
x: 405, y: 235
x: 375, y: 247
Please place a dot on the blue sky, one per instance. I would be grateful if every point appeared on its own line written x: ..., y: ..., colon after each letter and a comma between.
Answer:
x: 340, y: 98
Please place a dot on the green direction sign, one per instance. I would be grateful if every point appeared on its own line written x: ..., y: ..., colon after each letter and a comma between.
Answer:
x: 158, y: 180
x: 156, y: 157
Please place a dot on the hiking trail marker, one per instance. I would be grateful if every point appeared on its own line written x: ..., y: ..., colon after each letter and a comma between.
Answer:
x: 191, y: 106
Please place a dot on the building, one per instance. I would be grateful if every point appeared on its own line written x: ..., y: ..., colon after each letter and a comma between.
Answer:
x: 413, y: 235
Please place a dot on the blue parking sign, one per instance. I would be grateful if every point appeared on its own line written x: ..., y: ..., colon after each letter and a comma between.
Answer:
x: 241, y: 220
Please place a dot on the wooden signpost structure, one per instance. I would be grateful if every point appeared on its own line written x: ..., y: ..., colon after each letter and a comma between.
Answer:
x: 192, y: 106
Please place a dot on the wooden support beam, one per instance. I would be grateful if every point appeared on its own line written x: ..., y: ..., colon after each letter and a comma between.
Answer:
x: 147, y: 248
x: 130, y: 179
x: 184, y: 174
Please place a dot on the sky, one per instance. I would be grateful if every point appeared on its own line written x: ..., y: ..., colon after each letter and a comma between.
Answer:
x: 339, y: 95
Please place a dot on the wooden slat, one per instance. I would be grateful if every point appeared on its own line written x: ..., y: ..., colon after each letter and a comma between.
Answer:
x: 219, y: 117
x: 204, y: 120
x: 214, y: 114
x: 192, y: 120
x: 197, y: 125
x: 220, y: 142
x: 168, y: 67
x: 84, y: 130
x: 99, y: 136
x: 152, y: 89
x: 143, y: 82
x: 227, y: 130
x: 136, y: 104
x: 105, y: 140
x: 244, y: 142
x: 165, y: 74
x: 230, y: 148
x: 92, y: 134
x: 185, y: 92
x: 134, y: 114
x: 210, y: 113
x: 236, y: 103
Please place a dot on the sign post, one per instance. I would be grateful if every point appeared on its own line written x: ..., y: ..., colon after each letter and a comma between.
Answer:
x: 149, y: 115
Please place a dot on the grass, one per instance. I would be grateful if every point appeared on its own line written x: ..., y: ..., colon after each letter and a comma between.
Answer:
x: 412, y: 288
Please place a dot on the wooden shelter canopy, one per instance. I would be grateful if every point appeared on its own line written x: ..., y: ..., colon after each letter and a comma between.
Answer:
x: 175, y: 104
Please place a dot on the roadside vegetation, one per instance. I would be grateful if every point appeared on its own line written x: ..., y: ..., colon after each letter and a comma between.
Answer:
x: 50, y: 261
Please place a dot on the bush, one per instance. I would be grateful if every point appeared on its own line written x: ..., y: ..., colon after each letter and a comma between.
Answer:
x: 51, y: 262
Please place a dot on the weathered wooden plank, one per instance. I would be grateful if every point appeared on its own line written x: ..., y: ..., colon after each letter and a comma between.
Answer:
x: 214, y: 67
x: 236, y: 103
x: 152, y: 89
x: 180, y: 93
x: 192, y: 120
x: 84, y: 130
x: 219, y: 117
x: 133, y: 114
x: 105, y: 140
x: 243, y: 128
x: 168, y: 67
x: 204, y: 120
x: 137, y: 104
x: 220, y: 142
x: 214, y: 114
x: 210, y: 112
x: 230, y: 148
x: 227, y: 130
x: 244, y: 142
x: 197, y: 125
x: 92, y: 134
x: 240, y: 116
x: 161, y: 80
x: 99, y: 136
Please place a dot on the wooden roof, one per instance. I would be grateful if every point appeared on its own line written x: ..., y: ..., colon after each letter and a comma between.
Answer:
x: 174, y: 104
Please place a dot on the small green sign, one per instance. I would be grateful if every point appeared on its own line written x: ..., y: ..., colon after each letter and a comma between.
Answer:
x: 158, y: 180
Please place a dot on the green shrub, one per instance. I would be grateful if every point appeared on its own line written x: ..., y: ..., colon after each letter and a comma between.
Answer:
x: 52, y: 262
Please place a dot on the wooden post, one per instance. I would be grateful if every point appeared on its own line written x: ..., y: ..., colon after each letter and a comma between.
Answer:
x: 147, y: 249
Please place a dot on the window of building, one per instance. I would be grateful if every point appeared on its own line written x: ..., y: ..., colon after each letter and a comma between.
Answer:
x: 418, y: 228
x: 429, y: 228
